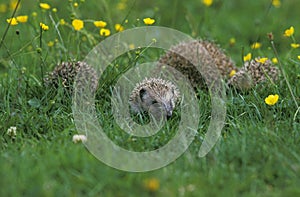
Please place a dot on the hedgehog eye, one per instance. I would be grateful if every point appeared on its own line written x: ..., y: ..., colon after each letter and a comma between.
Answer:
x: 154, y: 102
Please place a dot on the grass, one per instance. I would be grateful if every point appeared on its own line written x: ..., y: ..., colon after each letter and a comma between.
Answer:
x: 257, y: 155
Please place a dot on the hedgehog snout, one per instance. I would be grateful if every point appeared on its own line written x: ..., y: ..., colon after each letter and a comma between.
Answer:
x: 169, y: 111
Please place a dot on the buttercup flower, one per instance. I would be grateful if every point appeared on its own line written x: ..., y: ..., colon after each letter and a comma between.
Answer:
x: 274, y: 60
x: 12, y: 21
x: 261, y: 60
x: 289, y: 32
x: 77, y: 24
x: 131, y: 46
x: 45, y: 6
x: 232, y: 73
x: 119, y: 27
x: 232, y: 41
x: 79, y: 138
x: 295, y: 45
x: 298, y: 57
x: 207, y: 2
x: 276, y: 3
x: 62, y: 21
x: 152, y: 184
x: 100, y: 24
x: 104, y: 32
x: 50, y: 44
x: 271, y: 99
x: 22, y: 19
x: 121, y: 6
x: 44, y: 27
x: 13, y: 5
x: 34, y: 14
x: 3, y: 8
x: 148, y: 21
x: 256, y: 45
x: 247, y: 57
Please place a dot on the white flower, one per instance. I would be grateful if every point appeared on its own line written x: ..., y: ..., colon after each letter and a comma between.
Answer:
x: 79, y: 138
x: 12, y: 131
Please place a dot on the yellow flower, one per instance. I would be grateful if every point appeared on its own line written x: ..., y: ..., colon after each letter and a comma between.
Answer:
x: 256, y: 45
x: 104, y: 32
x: 271, y: 99
x: 12, y: 21
x: 152, y: 184
x: 54, y: 10
x: 44, y: 27
x: 148, y: 21
x: 276, y: 3
x: 84, y: 38
x: 232, y: 73
x: 13, y: 5
x: 75, y: 5
x: 62, y: 21
x: 298, y: 57
x: 131, y: 46
x: 274, y: 60
x: 77, y: 24
x: 45, y: 6
x: 207, y: 2
x: 119, y: 27
x: 261, y: 60
x: 247, y: 57
x: 232, y: 41
x: 50, y: 44
x: 22, y: 19
x: 3, y: 8
x: 100, y: 24
x: 289, y: 32
x: 121, y: 6
x: 295, y: 45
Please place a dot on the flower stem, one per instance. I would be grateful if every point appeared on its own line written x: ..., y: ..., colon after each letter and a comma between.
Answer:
x: 41, y: 57
x: 283, y: 73
x: 12, y: 16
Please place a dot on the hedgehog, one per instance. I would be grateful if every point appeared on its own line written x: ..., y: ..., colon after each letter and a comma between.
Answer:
x: 252, y: 73
x: 208, y: 53
x: 154, y: 95
x: 64, y: 75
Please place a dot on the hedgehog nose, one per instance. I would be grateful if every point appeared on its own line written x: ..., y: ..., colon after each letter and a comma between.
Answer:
x: 168, y: 111
x: 169, y: 115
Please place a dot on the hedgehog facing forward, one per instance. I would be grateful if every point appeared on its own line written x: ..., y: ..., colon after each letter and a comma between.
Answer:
x: 154, y: 95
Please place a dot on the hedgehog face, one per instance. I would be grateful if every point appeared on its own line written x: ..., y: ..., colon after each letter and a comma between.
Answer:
x: 154, y: 96
x: 157, y: 102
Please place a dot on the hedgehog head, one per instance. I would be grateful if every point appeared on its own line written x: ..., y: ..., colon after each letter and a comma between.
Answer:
x: 154, y: 96
x: 254, y: 72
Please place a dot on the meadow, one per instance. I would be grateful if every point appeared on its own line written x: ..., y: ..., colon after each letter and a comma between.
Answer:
x: 258, y: 153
